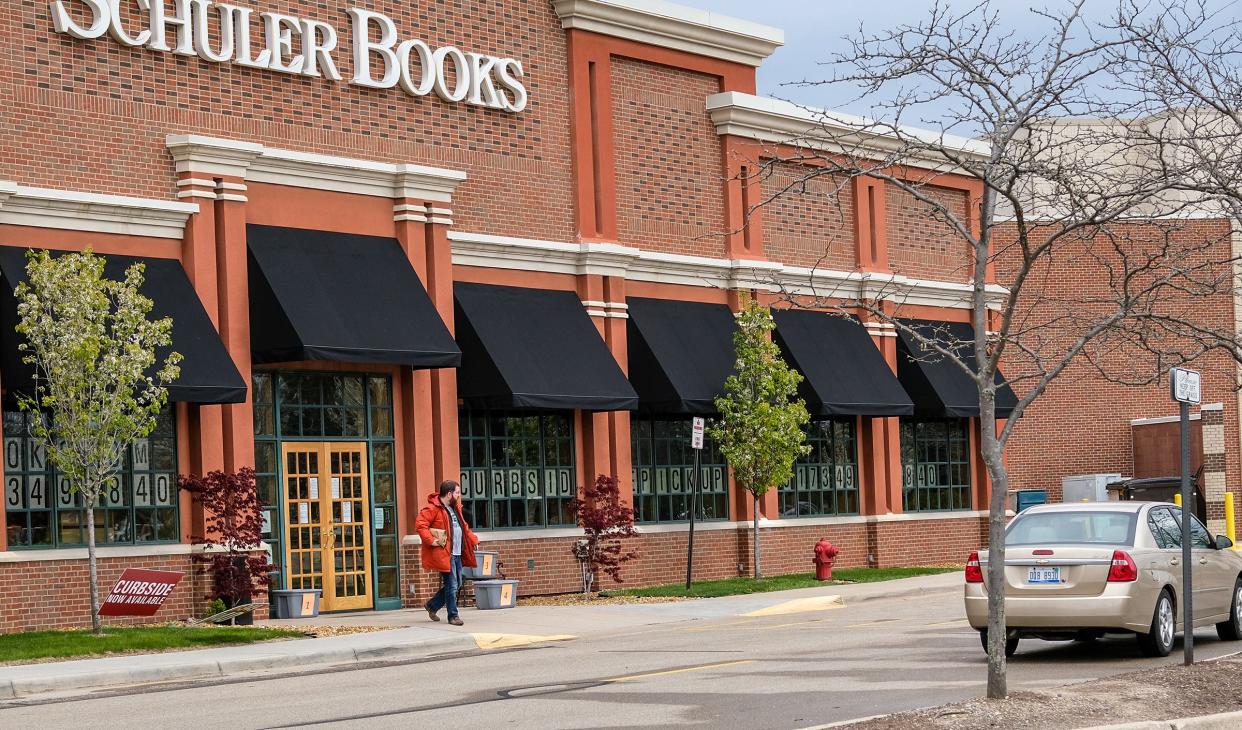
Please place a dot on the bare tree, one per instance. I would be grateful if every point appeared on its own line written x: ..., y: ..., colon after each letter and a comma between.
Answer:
x: 1093, y: 148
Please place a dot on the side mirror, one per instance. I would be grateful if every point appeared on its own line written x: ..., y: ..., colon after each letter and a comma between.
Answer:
x: 1223, y: 542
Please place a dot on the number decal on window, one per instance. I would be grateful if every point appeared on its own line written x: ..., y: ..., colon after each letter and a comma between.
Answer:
x: 13, y: 491
x: 163, y: 490
x: 36, y: 494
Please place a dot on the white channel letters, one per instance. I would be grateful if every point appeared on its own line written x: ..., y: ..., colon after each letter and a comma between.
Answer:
x: 304, y: 47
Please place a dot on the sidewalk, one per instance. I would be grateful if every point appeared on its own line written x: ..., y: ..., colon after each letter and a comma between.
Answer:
x: 413, y: 636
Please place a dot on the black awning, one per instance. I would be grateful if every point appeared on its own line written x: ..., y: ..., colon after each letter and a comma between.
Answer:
x: 534, y: 349
x: 845, y: 375
x: 939, y: 387
x: 208, y: 374
x: 680, y: 354
x: 318, y: 295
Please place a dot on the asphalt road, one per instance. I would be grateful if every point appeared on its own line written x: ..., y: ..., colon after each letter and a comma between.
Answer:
x: 785, y: 671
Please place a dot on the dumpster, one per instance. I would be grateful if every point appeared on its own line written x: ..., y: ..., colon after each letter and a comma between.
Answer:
x: 296, y: 603
x: 489, y: 594
x: 1029, y: 498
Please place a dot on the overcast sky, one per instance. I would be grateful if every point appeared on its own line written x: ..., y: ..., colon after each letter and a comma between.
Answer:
x: 814, y: 30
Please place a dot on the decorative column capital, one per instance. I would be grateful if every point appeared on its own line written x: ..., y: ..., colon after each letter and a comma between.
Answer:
x: 212, y: 155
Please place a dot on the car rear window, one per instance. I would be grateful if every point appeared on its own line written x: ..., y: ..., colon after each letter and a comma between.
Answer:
x: 1072, y: 528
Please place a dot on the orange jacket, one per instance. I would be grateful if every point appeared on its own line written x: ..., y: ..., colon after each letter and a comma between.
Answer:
x: 437, y: 557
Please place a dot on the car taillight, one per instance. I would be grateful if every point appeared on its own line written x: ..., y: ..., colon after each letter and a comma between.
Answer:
x: 1123, y: 569
x: 973, y: 573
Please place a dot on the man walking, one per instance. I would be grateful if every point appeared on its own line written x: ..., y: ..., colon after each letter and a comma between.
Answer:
x: 447, y: 545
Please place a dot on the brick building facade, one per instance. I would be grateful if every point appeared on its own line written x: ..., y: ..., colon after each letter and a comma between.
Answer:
x: 382, y: 212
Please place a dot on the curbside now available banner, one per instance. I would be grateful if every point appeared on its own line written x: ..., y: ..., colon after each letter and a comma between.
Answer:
x: 140, y: 592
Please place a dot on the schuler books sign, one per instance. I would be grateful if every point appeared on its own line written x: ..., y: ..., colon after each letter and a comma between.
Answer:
x: 301, y: 46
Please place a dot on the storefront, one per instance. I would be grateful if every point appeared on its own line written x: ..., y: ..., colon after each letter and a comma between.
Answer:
x: 418, y: 257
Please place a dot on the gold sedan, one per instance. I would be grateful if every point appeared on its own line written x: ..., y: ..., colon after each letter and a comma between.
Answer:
x: 1080, y: 570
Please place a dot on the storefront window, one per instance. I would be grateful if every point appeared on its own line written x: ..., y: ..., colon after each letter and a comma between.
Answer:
x: 517, y: 470
x: 663, y: 469
x: 825, y: 481
x: 309, y: 406
x: 935, y: 464
x: 138, y: 505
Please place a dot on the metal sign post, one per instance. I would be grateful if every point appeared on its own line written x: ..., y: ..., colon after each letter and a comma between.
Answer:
x: 696, y: 443
x: 1184, y: 386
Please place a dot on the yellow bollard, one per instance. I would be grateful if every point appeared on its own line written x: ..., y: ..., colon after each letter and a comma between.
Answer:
x: 1177, y: 499
x: 1230, y: 525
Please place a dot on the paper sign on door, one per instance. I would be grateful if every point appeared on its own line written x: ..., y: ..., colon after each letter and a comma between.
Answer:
x: 378, y: 517
x: 336, y: 487
x: 314, y: 487
x: 303, y: 513
x: 347, y: 512
x: 506, y: 594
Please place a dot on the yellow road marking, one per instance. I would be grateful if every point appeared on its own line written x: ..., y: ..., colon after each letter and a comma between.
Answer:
x: 718, y: 627
x: 800, y: 605
x: 873, y: 623
x: 795, y: 623
x: 632, y: 677
x: 506, y: 641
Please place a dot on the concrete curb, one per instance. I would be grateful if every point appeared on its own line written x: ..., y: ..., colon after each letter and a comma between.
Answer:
x: 1223, y: 721
x: 25, y: 680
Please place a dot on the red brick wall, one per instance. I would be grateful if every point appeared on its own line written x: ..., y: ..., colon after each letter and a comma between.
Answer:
x: 718, y: 553
x: 919, y: 245
x: 56, y: 593
x: 1081, y: 424
x: 808, y: 222
x: 670, y: 174
x: 93, y: 115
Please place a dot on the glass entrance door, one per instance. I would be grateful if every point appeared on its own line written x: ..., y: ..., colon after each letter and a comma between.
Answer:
x: 328, y: 535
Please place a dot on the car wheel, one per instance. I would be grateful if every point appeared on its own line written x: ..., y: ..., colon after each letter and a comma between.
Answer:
x: 1159, y: 640
x: 1231, y: 630
x: 1011, y: 646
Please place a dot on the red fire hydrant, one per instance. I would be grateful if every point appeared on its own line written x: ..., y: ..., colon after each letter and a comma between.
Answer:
x: 825, y: 557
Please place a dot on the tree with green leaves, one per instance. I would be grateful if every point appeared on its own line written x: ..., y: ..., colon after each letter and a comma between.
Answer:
x: 97, y: 383
x: 761, y: 429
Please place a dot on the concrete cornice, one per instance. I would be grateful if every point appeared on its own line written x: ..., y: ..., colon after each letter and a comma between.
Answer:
x: 261, y: 164
x: 773, y: 121
x: 75, y: 211
x: 608, y: 259
x: 211, y: 155
x: 678, y: 27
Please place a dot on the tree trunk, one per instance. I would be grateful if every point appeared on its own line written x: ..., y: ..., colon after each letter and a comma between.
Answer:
x: 758, y: 570
x: 997, y: 683
x: 96, y: 624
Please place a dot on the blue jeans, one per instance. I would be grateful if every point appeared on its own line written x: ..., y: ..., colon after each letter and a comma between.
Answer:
x: 447, y: 596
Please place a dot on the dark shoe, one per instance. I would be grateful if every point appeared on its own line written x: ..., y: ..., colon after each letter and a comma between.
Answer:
x: 456, y: 621
x: 431, y: 614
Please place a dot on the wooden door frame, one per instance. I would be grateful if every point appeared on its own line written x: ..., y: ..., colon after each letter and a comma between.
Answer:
x: 329, y: 601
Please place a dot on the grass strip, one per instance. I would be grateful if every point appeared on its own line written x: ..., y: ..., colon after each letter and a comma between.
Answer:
x: 36, y: 645
x: 740, y: 586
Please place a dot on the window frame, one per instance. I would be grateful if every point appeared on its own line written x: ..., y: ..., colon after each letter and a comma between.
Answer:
x: 656, y: 503
x: 492, y: 484
x: 163, y: 514
x: 959, y: 494
x: 842, y: 477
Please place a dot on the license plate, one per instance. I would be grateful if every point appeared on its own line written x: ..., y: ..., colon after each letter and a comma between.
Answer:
x: 1044, y: 575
